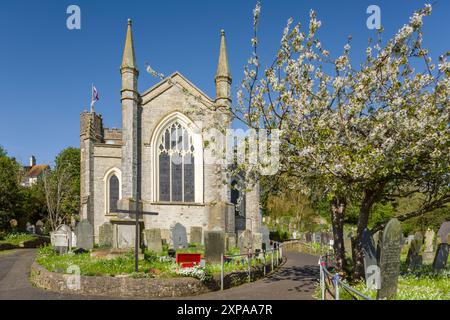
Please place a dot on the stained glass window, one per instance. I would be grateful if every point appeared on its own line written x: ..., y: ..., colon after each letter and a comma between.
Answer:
x: 113, y: 193
x: 176, y: 164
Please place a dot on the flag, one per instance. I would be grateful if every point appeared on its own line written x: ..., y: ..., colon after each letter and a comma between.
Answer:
x: 95, y: 96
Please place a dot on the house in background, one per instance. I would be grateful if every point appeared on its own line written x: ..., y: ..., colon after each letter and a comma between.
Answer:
x: 33, y: 172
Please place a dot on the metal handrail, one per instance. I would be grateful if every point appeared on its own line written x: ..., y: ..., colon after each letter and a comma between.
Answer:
x: 335, y: 280
x: 275, y: 250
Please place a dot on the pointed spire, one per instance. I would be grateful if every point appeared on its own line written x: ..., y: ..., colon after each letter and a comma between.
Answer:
x: 129, y: 59
x: 223, y: 69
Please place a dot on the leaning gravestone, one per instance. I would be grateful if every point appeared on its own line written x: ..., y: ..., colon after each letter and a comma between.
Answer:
x: 245, y: 241
x: 372, y: 271
x: 414, y: 259
x: 428, y: 254
x: 106, y: 235
x: 196, y: 235
x: 85, y: 235
x: 214, y: 246
x: 440, y: 260
x: 179, y: 236
x: 390, y: 249
x: 444, y: 230
x: 153, y: 239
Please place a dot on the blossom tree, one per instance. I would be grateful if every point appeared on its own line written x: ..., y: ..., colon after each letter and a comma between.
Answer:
x: 362, y: 133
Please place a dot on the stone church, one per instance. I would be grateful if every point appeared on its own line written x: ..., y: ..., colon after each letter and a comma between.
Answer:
x: 159, y: 159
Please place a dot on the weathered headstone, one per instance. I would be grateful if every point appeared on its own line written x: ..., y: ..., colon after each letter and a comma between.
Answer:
x: 230, y: 240
x: 39, y: 227
x: 414, y: 259
x: 196, y: 235
x: 106, y: 235
x: 317, y: 237
x: 245, y: 241
x: 390, y: 259
x: 61, y: 239
x: 153, y: 239
x: 371, y: 268
x: 308, y: 237
x: 73, y: 239
x: 214, y: 246
x: 257, y: 241
x: 179, y: 236
x: 444, y: 230
x: 441, y: 258
x: 409, y: 239
x: 85, y: 235
x: 348, y: 242
x: 30, y: 228
x: 265, y: 237
x: 428, y: 254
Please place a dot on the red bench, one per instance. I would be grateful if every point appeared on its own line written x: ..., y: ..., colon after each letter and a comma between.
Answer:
x: 188, y: 260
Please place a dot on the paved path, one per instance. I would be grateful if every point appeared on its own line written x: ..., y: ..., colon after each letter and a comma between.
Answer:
x: 294, y: 280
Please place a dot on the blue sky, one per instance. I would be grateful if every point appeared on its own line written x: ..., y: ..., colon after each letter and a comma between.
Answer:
x: 47, y: 70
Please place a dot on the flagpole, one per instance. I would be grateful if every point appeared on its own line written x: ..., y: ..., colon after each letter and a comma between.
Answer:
x: 92, y: 94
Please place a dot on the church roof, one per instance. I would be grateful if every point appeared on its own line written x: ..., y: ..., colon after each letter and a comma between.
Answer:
x: 175, y: 79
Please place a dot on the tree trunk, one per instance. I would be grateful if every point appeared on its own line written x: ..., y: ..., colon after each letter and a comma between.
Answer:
x: 370, y: 197
x: 337, y: 221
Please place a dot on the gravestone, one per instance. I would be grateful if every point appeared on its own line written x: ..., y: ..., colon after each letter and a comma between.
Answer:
x: 428, y: 254
x: 39, y: 227
x: 73, y: 239
x: 230, y: 240
x: 153, y: 239
x: 196, y: 235
x: 324, y: 241
x: 257, y: 241
x: 308, y: 237
x: 441, y: 258
x: 414, y: 259
x: 265, y: 237
x: 61, y: 239
x: 348, y: 242
x: 409, y: 239
x: 444, y: 230
x: 30, y: 228
x: 317, y: 237
x: 106, y: 238
x: 214, y: 246
x: 372, y: 271
x: 85, y: 235
x: 245, y: 241
x: 179, y: 236
x: 390, y: 249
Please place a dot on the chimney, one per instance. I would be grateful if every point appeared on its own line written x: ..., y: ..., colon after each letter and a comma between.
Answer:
x: 32, y: 161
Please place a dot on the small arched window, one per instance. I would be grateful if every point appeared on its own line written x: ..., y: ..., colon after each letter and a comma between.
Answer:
x: 114, y: 193
x: 176, y: 157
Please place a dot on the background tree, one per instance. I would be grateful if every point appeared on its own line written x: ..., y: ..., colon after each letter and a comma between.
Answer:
x: 61, y: 186
x: 9, y: 189
x: 354, y: 134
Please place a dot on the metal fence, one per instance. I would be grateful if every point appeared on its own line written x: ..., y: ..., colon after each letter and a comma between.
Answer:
x: 261, y: 257
x: 332, y: 283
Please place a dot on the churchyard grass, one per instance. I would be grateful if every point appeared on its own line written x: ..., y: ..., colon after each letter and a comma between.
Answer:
x: 152, y: 266
x: 17, y: 238
x: 422, y: 284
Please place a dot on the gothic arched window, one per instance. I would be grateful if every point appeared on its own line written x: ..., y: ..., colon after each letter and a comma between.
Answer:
x: 176, y: 156
x: 114, y: 193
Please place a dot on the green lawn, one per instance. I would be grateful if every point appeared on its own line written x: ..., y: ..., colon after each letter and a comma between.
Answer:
x: 17, y: 238
x: 152, y: 266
